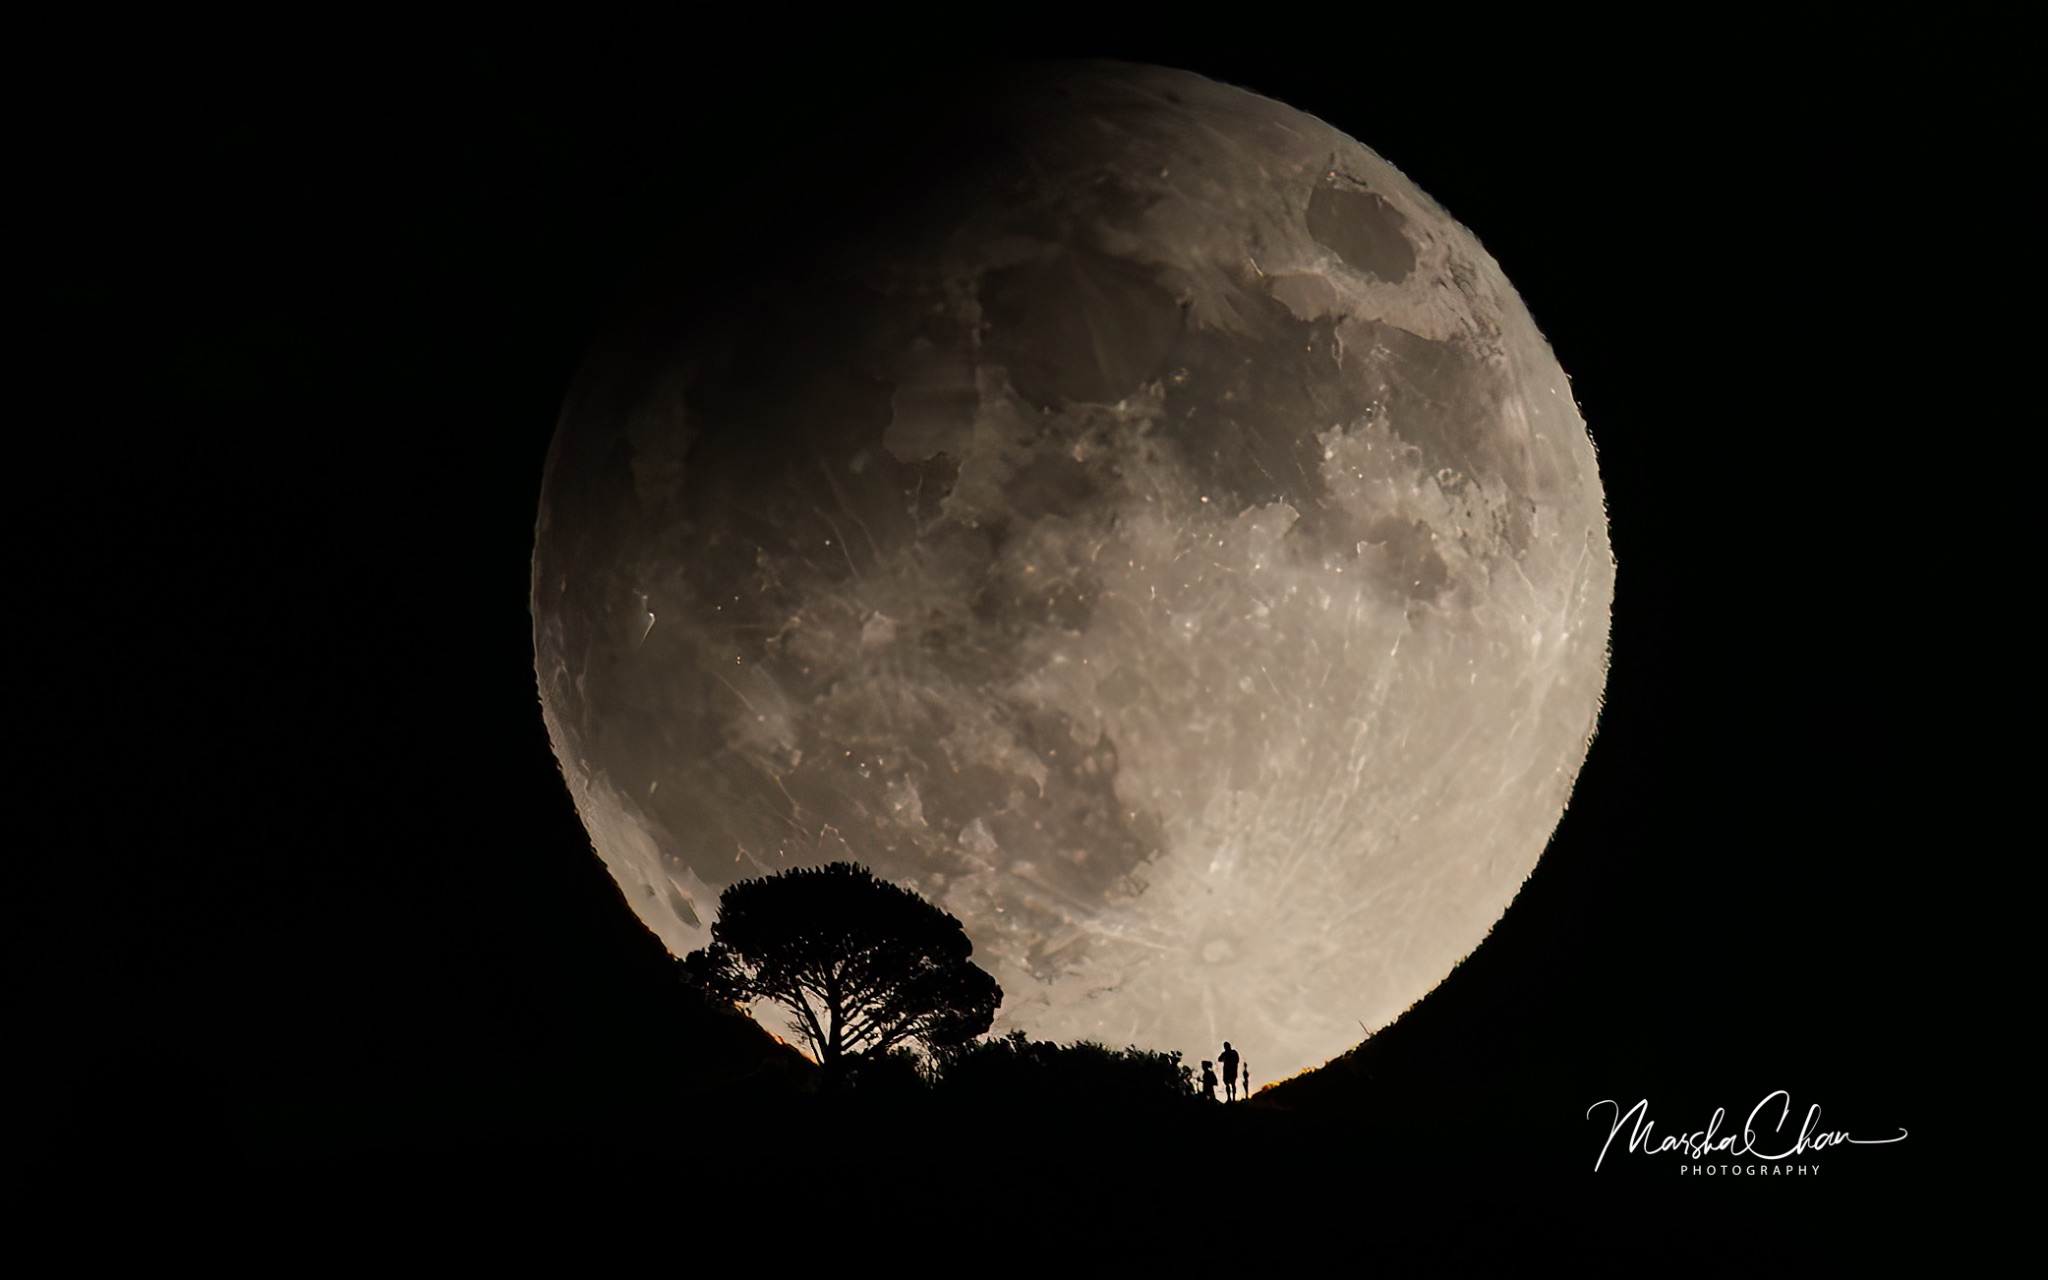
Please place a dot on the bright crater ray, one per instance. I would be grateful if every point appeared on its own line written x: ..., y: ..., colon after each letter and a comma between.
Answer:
x: 1165, y: 542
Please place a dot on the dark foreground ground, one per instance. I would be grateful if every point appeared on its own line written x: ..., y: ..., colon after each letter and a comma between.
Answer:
x: 679, y: 1132
x: 1078, y: 1186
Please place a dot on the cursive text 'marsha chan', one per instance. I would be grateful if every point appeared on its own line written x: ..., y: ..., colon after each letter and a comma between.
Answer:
x: 1751, y: 1141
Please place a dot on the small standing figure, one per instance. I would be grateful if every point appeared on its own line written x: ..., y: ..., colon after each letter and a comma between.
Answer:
x: 1208, y: 1080
x: 1229, y: 1060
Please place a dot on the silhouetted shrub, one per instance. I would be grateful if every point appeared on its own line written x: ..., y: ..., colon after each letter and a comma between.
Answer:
x: 1017, y: 1070
x: 899, y: 1075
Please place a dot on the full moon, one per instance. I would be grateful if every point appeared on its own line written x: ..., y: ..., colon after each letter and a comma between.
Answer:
x: 1153, y: 531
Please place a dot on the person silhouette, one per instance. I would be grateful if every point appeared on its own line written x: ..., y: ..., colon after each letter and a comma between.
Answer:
x: 1229, y: 1060
x: 1209, y: 1079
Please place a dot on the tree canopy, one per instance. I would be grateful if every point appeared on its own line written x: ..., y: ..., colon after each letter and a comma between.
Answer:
x: 861, y: 964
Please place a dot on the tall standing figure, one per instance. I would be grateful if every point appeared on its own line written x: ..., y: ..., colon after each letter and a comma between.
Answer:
x: 1229, y: 1060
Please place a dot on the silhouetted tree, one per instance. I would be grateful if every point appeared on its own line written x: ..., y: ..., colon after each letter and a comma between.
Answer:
x: 864, y: 966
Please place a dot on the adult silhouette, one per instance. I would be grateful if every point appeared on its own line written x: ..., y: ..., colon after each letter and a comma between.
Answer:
x: 1229, y: 1060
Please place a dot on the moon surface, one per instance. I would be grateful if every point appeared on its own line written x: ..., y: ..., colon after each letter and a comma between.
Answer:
x: 1156, y: 533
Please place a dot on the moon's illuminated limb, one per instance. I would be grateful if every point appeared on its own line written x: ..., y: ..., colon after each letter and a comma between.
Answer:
x: 1180, y: 558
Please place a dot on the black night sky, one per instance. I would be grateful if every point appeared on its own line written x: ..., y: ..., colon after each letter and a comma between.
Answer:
x: 308, y: 903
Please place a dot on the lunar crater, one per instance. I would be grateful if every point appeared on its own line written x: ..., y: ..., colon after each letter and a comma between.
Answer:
x: 1363, y: 230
